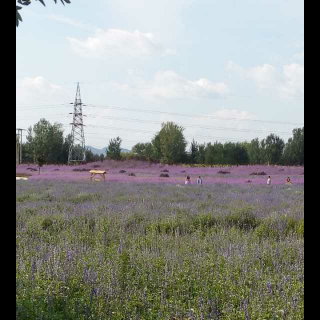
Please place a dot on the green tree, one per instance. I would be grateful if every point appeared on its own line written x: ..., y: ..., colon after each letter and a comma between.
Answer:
x: 255, y: 152
x: 142, y: 151
x: 90, y: 157
x: 172, y: 143
x: 201, y: 154
x: 101, y: 157
x: 194, y: 152
x: 46, y: 141
x: 156, y: 148
x: 214, y: 153
x: 293, y: 153
x: 272, y: 148
x: 27, y: 2
x: 239, y: 154
x: 114, y: 149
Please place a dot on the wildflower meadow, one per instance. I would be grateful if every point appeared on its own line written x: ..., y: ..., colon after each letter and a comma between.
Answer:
x: 133, y: 248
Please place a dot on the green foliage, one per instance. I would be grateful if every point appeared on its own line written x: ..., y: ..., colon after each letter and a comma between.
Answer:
x: 169, y: 144
x: 116, y: 260
x: 280, y: 227
x: 142, y: 151
x: 27, y: 2
x: 254, y: 151
x: 46, y: 223
x: 242, y: 218
x: 114, y: 149
x: 272, y: 148
x: 294, y: 150
x: 46, y: 142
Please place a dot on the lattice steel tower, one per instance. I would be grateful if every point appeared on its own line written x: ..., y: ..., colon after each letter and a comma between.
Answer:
x: 77, y: 150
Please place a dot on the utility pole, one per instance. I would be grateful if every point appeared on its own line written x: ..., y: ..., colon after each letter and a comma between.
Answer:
x: 19, y: 143
x: 77, y: 150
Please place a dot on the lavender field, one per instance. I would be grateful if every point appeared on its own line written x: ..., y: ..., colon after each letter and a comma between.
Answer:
x: 119, y: 250
x: 132, y: 250
x: 137, y: 171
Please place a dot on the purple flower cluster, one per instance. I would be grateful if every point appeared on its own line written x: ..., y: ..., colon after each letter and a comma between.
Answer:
x: 147, y: 172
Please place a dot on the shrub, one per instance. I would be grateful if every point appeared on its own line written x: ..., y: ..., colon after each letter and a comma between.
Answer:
x: 300, y: 227
x: 164, y: 175
x: 165, y: 170
x: 32, y: 169
x: 204, y: 221
x: 242, y: 218
x: 280, y: 227
x: 81, y: 169
x: 122, y: 171
x: 46, y: 223
x: 131, y: 175
x: 224, y: 172
x: 261, y: 173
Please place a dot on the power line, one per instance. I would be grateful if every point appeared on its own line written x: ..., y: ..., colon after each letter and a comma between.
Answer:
x: 189, y: 115
x: 184, y: 125
x: 190, y: 126
x: 163, y: 112
x: 153, y: 132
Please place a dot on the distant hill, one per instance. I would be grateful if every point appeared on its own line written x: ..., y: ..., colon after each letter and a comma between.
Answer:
x: 103, y: 150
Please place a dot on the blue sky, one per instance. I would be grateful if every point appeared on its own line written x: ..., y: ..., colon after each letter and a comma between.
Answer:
x: 225, y: 70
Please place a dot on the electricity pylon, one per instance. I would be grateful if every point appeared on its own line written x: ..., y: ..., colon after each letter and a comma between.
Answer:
x: 77, y: 150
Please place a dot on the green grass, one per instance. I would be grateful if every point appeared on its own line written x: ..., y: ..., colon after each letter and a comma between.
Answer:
x: 91, y: 256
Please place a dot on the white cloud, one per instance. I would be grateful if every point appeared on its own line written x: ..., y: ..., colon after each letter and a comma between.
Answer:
x: 233, y: 67
x: 288, y: 83
x: 264, y: 76
x: 39, y: 83
x: 164, y: 18
x: 293, y: 86
x: 38, y: 90
x: 114, y: 42
x: 70, y: 21
x: 170, y: 85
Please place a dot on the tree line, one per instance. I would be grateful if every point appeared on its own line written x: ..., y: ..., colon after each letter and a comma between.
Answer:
x: 169, y: 146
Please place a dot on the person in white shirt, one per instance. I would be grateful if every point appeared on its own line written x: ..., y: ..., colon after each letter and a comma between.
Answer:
x: 199, y: 180
x: 188, y: 180
x: 269, y: 180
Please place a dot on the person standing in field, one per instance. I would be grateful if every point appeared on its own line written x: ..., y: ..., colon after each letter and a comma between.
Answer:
x: 199, y: 180
x: 288, y: 181
x: 188, y: 180
x: 269, y: 180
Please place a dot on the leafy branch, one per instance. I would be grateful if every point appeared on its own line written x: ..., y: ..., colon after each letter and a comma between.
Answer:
x: 27, y: 2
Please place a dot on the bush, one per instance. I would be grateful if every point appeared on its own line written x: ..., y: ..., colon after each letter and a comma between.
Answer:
x: 165, y: 170
x: 122, y: 171
x: 242, y: 218
x: 131, y: 175
x: 224, y: 172
x: 81, y: 169
x: 46, y: 223
x: 164, y: 175
x: 261, y: 173
x: 280, y: 227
